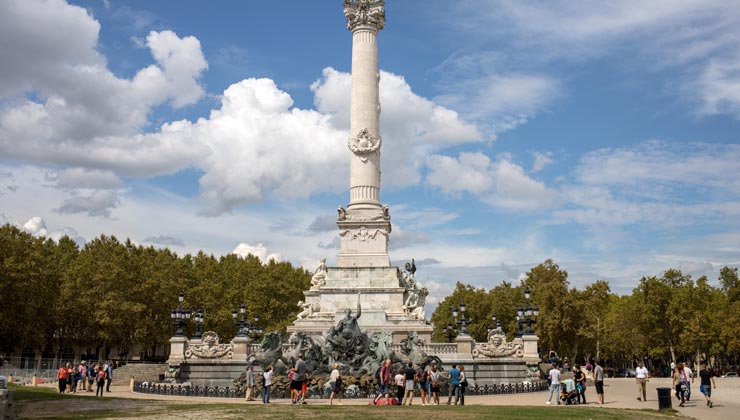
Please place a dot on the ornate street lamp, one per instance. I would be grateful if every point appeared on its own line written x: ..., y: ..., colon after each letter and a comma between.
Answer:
x: 450, y: 332
x: 179, y: 315
x: 529, y: 312
x: 198, y: 323
x: 240, y: 322
x: 254, y: 331
x: 462, y: 322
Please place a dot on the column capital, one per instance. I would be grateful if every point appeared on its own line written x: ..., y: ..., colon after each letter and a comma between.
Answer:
x: 364, y: 14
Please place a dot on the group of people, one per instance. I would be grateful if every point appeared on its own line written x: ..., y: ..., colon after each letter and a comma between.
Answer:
x: 580, y: 379
x: 427, y: 380
x: 683, y: 377
x: 266, y: 378
x: 70, y: 377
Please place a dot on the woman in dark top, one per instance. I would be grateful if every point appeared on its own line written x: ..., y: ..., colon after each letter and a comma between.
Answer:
x: 580, y: 379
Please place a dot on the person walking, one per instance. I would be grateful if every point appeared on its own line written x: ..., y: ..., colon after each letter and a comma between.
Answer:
x: 580, y: 379
x: 454, y: 383
x: 679, y: 383
x: 599, y: 381
x: 335, y: 380
x: 400, y: 380
x: 266, y: 384
x: 707, y: 383
x: 101, y: 374
x: 385, y: 382
x: 249, y: 384
x: 642, y: 376
x: 689, y: 379
x: 463, y: 385
x: 410, y: 374
x: 554, y: 377
x: 74, y: 375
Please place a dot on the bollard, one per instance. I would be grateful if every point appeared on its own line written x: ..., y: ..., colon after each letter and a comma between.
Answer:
x: 131, y: 385
x: 664, y: 399
x: 34, y: 380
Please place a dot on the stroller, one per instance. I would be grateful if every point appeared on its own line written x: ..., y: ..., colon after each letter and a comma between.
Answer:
x: 568, y: 392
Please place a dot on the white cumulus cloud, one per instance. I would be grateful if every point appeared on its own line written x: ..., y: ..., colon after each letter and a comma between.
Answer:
x: 259, y: 251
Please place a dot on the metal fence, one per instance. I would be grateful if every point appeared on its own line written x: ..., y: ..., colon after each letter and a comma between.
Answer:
x: 316, y: 393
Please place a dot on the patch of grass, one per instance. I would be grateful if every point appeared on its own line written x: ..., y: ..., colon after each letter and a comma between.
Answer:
x: 45, y: 403
x: 27, y: 393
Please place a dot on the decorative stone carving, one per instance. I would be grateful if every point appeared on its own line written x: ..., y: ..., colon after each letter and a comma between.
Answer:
x: 498, y: 347
x: 363, y: 234
x: 364, y: 13
x: 210, y: 349
x: 386, y: 213
x: 319, y: 276
x: 172, y: 375
x: 341, y: 213
x: 308, y: 310
x: 364, y: 144
x: 414, y: 304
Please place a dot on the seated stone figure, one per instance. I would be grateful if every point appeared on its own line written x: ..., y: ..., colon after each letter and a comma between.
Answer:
x: 319, y: 277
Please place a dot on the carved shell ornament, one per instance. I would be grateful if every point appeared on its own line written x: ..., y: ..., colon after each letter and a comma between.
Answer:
x: 364, y: 143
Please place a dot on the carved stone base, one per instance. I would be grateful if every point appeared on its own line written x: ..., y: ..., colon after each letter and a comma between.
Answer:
x: 381, y: 299
x: 363, y: 235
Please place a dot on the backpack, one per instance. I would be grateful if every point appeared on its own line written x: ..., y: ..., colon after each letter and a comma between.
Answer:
x: 377, y: 374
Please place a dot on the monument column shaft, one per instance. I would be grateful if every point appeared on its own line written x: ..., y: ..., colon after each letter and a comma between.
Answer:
x: 365, y: 114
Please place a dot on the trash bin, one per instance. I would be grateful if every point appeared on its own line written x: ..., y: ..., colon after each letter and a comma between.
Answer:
x: 664, y: 398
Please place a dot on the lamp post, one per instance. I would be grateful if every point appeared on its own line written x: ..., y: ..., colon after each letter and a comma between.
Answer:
x: 462, y: 322
x: 179, y: 314
x: 519, y: 321
x: 254, y: 331
x: 240, y: 322
x: 530, y: 313
x: 198, y: 323
x: 450, y: 332
x: 246, y: 328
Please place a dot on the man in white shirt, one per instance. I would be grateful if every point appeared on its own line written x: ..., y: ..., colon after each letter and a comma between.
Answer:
x: 554, y: 376
x: 642, y: 377
x: 689, y: 374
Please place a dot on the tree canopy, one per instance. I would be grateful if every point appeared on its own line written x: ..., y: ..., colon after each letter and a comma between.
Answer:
x: 119, y: 295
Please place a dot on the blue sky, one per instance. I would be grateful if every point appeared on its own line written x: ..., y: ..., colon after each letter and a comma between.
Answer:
x: 602, y: 136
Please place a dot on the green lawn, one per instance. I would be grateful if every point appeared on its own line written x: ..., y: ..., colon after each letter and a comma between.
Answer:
x: 44, y: 403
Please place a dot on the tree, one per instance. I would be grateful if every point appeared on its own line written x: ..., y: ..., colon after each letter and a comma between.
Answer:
x: 556, y: 325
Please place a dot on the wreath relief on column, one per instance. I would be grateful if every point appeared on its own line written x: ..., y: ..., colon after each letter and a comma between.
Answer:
x: 363, y: 144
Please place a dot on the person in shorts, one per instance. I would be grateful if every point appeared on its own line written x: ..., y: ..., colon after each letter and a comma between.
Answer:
x: 435, y: 377
x: 410, y: 375
x: 599, y: 381
x: 707, y: 383
x: 296, y: 383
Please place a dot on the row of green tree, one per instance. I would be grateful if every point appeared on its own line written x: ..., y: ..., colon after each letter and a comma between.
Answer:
x: 667, y: 317
x: 56, y: 296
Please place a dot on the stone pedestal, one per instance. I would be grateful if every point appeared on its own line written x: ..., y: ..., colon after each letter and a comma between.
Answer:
x: 530, y: 348
x: 465, y: 344
x: 241, y: 345
x: 177, y: 350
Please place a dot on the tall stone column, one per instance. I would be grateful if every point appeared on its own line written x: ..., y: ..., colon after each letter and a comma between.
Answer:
x: 365, y: 225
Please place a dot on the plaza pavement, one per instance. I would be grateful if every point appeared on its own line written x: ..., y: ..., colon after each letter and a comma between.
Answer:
x: 619, y: 393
